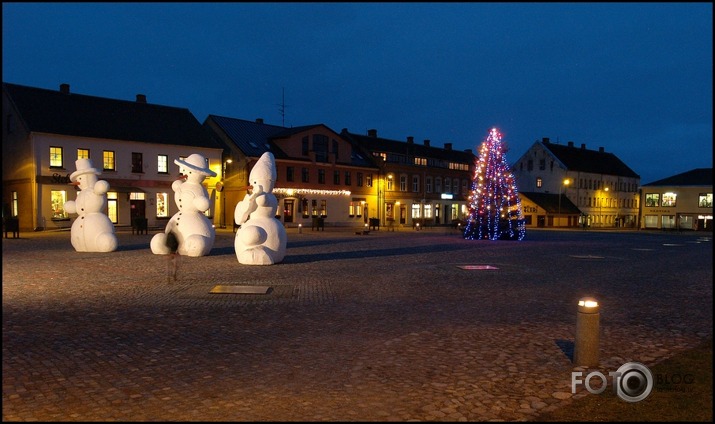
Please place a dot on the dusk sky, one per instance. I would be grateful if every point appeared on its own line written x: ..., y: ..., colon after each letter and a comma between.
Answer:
x: 634, y: 78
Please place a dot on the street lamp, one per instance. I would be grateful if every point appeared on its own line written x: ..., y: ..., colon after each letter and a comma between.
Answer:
x: 223, y: 197
x: 566, y: 182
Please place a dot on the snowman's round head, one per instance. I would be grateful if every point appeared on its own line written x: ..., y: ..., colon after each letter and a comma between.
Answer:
x: 85, y: 181
x: 194, y: 168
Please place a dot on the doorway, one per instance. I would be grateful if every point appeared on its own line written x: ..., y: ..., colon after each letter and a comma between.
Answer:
x: 288, y: 208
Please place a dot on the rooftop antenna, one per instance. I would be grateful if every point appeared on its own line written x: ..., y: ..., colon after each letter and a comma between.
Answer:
x: 282, y: 107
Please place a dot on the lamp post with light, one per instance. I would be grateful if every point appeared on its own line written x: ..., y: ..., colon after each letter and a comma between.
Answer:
x: 565, y: 182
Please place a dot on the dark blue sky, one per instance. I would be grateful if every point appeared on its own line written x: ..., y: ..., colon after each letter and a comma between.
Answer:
x: 634, y: 78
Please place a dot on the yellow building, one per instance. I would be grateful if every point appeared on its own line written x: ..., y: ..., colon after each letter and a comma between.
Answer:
x: 680, y: 202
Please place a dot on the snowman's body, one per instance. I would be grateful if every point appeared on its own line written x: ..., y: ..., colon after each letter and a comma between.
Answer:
x: 262, y: 239
x: 193, y: 231
x: 92, y: 231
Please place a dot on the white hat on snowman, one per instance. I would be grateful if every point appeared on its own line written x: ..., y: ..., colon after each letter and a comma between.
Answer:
x: 196, y: 163
x: 84, y: 166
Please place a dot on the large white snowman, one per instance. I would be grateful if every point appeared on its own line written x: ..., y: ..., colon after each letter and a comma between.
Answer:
x: 189, y: 227
x: 262, y: 239
x: 92, y: 231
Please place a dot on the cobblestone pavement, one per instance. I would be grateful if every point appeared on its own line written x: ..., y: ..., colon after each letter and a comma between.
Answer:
x: 380, y: 327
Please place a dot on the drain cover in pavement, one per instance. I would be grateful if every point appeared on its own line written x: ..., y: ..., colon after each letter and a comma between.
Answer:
x: 586, y: 257
x: 471, y: 267
x: 241, y: 289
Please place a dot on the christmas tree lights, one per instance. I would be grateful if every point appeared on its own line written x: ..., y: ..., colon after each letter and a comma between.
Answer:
x: 494, y: 205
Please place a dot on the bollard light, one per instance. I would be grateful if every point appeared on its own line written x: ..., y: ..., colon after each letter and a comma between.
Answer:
x: 300, y: 228
x: 586, y: 348
x: 417, y: 226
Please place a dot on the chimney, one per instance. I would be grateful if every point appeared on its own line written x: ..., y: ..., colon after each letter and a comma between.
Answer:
x: 141, y: 98
x: 447, y: 146
x: 410, y: 139
x: 545, y: 140
x: 427, y: 142
x: 65, y: 88
x: 583, y: 146
x: 570, y: 143
x: 372, y: 133
x: 600, y: 150
x: 259, y: 120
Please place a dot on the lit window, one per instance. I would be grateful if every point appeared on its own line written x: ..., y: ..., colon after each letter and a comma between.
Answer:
x: 82, y: 153
x: 669, y: 199
x: 112, y: 206
x: 58, y: 199
x: 539, y: 182
x: 162, y: 205
x: 705, y: 200
x: 652, y: 200
x: 14, y: 204
x: 304, y: 206
x: 55, y: 157
x: 162, y: 164
x: 108, y: 160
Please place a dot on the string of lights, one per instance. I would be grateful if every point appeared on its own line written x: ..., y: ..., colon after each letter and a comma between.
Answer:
x: 304, y: 191
x: 494, y: 205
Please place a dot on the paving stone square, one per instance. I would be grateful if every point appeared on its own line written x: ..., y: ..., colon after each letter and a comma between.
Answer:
x: 388, y: 326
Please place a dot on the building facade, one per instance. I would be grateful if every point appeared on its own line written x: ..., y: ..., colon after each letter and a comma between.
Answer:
x: 418, y: 184
x: 679, y: 202
x: 599, y: 184
x: 322, y: 178
x: 133, y: 144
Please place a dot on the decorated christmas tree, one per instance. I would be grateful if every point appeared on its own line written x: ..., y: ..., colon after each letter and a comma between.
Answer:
x: 494, y: 205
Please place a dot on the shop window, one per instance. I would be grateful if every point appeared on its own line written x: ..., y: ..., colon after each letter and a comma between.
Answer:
x: 162, y: 205
x: 57, y: 200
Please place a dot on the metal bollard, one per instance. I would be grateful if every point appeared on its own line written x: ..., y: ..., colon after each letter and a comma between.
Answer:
x: 586, y: 349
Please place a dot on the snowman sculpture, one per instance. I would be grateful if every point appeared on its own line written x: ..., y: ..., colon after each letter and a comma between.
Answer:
x: 189, y: 227
x: 92, y: 231
x: 262, y: 239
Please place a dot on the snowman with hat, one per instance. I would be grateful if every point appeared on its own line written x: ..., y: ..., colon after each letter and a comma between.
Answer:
x: 92, y: 231
x: 189, y: 232
x: 262, y: 239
